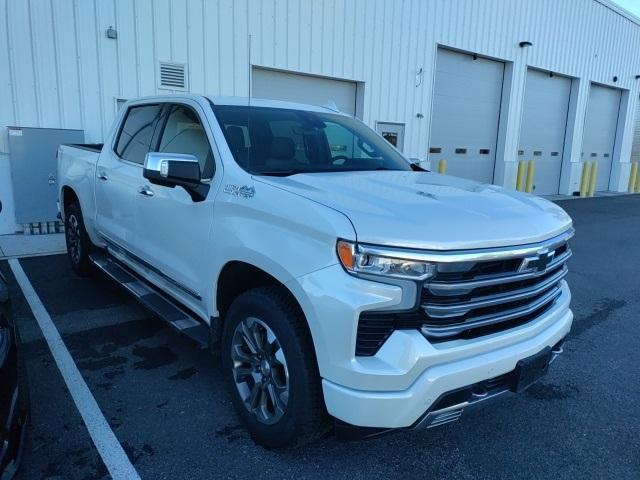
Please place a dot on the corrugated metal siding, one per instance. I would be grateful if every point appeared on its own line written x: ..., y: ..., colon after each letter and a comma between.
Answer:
x: 64, y: 72
x: 635, y: 149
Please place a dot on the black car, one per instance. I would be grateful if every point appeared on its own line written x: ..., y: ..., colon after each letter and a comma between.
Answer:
x: 13, y: 395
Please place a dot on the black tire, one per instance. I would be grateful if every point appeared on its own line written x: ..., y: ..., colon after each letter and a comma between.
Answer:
x: 79, y: 245
x: 304, y: 417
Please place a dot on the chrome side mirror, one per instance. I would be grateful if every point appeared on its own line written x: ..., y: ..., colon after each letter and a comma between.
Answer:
x: 175, y: 170
x: 171, y: 169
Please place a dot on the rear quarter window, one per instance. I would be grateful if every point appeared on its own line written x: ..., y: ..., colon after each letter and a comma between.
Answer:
x: 136, y: 132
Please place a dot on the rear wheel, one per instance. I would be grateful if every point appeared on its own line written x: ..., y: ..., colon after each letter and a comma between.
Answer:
x: 79, y: 245
x: 269, y: 362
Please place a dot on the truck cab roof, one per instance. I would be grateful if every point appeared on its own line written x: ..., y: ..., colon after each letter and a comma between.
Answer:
x: 239, y: 101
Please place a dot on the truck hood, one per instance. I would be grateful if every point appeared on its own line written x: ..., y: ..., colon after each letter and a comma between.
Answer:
x: 429, y: 211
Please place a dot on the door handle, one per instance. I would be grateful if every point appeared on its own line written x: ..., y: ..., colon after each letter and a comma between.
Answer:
x: 146, y: 191
x: 103, y: 176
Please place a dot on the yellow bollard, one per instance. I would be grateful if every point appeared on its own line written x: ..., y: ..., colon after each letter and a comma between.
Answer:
x: 632, y: 177
x: 584, y: 179
x: 530, y: 171
x: 442, y: 166
x: 520, y: 177
x: 592, y: 178
x: 638, y: 180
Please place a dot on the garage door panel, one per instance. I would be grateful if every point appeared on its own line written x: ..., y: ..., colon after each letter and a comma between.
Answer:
x: 466, y: 111
x: 544, y: 120
x: 468, y: 88
x: 600, y: 128
x: 299, y: 88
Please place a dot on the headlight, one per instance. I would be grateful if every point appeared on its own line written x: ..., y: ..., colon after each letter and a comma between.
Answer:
x: 357, y: 262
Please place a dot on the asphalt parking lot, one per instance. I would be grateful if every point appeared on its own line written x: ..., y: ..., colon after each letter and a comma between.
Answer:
x: 168, y: 407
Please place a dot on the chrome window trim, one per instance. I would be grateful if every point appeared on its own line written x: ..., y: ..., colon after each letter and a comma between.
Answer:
x: 458, y: 256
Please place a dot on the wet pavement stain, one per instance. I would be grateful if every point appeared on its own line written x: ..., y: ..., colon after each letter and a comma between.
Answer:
x: 550, y: 391
x: 136, y: 454
x: 102, y: 363
x: 148, y: 449
x: 153, y: 357
x: 603, y: 310
x: 91, y: 343
x: 184, y: 374
x: 110, y: 375
x: 231, y: 432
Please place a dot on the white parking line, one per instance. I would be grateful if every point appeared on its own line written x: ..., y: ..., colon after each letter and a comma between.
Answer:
x: 113, y: 456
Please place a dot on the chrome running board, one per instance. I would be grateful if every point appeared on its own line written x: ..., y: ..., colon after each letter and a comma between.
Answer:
x: 167, y: 309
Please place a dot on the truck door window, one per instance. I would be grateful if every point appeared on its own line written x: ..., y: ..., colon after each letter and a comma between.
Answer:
x: 136, y: 132
x: 183, y: 133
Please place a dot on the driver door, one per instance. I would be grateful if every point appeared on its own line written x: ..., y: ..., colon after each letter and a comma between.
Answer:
x: 172, y: 229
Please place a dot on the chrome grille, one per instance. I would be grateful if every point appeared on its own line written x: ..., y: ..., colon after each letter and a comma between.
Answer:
x: 470, y: 297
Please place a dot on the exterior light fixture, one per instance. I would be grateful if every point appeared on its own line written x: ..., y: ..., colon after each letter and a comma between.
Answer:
x: 525, y: 44
x: 615, y: 79
x: 111, y: 33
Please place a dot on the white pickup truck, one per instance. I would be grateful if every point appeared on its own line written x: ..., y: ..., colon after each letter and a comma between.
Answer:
x: 332, y: 274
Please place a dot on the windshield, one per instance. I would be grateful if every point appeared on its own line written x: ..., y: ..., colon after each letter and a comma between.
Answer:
x: 278, y: 141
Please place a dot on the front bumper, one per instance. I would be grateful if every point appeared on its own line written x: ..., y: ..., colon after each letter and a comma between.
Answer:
x: 395, y: 387
x: 406, y: 407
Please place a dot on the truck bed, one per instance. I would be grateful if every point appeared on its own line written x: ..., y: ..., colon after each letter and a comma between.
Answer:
x: 92, y: 147
x: 77, y: 165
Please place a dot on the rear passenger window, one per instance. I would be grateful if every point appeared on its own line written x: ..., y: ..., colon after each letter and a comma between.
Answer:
x: 137, y: 131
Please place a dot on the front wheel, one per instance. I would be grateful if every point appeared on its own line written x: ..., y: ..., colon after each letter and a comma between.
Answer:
x: 269, y: 362
x: 79, y: 245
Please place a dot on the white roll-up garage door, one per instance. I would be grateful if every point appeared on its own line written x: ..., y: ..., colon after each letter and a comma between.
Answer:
x: 544, y: 121
x: 600, y: 128
x: 294, y: 87
x: 465, y: 115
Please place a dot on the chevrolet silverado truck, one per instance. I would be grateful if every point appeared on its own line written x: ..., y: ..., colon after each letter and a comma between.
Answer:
x: 336, y: 279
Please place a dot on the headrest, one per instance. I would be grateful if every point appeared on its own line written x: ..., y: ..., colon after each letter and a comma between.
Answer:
x: 235, y: 137
x: 282, y: 148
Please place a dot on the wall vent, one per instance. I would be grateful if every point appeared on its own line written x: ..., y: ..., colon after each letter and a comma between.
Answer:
x: 173, y: 76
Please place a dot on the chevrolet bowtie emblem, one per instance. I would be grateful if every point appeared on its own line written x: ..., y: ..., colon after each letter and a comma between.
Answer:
x: 537, y: 263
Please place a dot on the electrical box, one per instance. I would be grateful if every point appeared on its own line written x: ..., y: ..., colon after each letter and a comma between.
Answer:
x: 34, y: 170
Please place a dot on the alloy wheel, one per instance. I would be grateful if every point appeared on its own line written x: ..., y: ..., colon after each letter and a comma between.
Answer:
x: 73, y: 238
x: 260, y: 370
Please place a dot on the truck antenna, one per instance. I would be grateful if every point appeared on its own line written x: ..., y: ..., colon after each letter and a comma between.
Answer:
x: 248, y: 139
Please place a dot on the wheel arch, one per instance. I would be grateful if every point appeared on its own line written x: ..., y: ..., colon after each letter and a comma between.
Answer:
x: 67, y: 196
x: 239, y: 276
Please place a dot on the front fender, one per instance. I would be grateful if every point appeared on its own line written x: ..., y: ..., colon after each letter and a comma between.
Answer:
x: 283, y: 234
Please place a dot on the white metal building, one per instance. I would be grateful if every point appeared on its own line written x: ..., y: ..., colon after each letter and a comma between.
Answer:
x: 480, y: 83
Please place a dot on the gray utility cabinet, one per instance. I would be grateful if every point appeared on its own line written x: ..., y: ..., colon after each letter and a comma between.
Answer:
x: 32, y: 153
